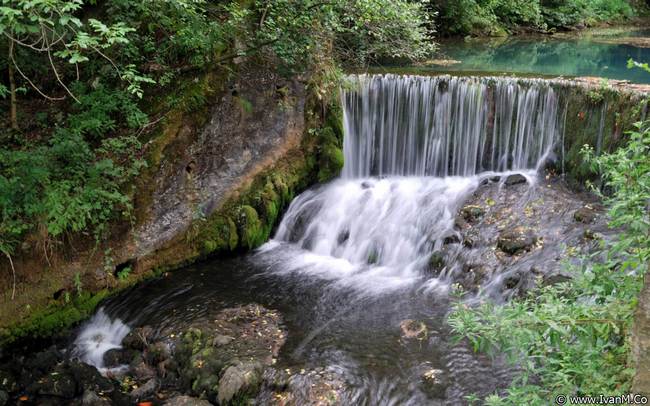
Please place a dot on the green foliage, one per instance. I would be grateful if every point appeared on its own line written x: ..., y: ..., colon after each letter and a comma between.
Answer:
x: 573, y: 336
x: 75, y: 180
x: 495, y: 16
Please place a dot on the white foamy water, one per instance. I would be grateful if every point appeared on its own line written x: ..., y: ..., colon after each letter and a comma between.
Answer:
x: 372, y: 234
x: 97, y: 336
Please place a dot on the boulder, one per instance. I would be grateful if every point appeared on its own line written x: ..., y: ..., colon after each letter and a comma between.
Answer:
x: 515, y: 179
x: 88, y: 378
x: 119, y: 356
x: 146, y: 390
x: 239, y: 380
x: 138, y: 338
x: 516, y: 240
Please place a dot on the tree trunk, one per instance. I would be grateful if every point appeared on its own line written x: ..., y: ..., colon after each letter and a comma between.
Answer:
x: 12, y: 89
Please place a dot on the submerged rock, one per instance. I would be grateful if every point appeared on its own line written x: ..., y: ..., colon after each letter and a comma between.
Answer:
x: 434, y: 382
x: 585, y: 215
x: 436, y: 261
x: 513, y: 241
x: 413, y: 329
x: 472, y: 213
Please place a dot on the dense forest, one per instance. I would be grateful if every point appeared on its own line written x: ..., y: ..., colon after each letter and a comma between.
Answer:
x: 501, y: 17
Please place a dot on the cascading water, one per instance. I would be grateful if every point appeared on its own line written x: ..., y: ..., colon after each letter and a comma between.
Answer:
x: 415, y: 148
x: 444, y: 126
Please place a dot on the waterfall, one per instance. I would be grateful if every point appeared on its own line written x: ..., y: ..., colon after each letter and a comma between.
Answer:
x: 443, y: 125
x: 415, y: 148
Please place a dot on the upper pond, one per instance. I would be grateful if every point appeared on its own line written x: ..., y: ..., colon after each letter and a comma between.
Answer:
x: 603, y: 53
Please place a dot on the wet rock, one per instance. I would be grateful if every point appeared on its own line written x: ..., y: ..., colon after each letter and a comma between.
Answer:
x: 554, y: 279
x: 44, y: 361
x: 8, y: 381
x: 251, y: 333
x: 516, y: 240
x: 145, y: 391
x: 434, y: 382
x: 88, y: 378
x: 512, y: 281
x: 119, y: 356
x: 139, y: 338
x: 413, y: 329
x: 186, y: 401
x: 343, y: 237
x: 472, y: 213
x: 220, y: 340
x: 452, y: 239
x: 59, y: 384
x: 157, y: 353
x: 90, y: 398
x: 141, y: 371
x: 4, y: 398
x: 436, y: 261
x: 585, y: 215
x: 239, y: 380
x: 515, y: 179
x: 316, y: 387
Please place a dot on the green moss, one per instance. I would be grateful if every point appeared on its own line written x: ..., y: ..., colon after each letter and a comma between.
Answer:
x: 330, y: 162
x: 219, y: 234
x: 55, y: 319
x: 250, y: 227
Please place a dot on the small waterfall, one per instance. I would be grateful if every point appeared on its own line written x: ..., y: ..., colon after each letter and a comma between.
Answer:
x: 415, y: 148
x: 99, y: 335
x: 445, y: 126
